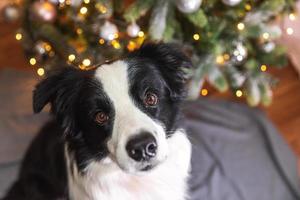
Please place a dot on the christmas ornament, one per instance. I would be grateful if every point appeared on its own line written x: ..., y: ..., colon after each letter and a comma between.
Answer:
x: 11, y: 13
x: 268, y: 46
x: 54, y: 1
x: 188, y: 6
x: 44, y: 11
x: 76, y: 3
x: 231, y: 2
x: 108, y: 31
x: 133, y: 30
x: 240, y: 53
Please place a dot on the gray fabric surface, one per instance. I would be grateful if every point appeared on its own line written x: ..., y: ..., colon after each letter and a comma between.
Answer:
x: 237, y: 153
x: 18, y: 125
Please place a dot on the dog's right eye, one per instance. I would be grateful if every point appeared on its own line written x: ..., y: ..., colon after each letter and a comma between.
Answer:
x: 101, y: 118
x: 150, y: 99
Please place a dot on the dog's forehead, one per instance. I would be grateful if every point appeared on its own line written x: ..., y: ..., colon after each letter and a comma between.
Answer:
x: 112, y: 73
x: 114, y: 79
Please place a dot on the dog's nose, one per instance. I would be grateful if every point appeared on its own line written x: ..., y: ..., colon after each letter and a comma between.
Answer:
x: 142, y: 147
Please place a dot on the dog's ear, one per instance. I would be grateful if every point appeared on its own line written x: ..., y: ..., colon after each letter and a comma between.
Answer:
x: 171, y: 62
x: 60, y: 89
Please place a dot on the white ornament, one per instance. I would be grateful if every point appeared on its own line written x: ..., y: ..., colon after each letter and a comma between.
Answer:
x: 108, y: 31
x: 54, y: 1
x: 11, y: 13
x: 133, y: 30
x: 76, y: 3
x: 231, y: 2
x: 268, y: 47
x: 188, y: 6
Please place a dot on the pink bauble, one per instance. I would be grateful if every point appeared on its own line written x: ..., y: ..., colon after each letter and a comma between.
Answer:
x: 44, y: 11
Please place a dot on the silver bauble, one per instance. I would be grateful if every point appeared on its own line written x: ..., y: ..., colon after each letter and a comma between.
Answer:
x: 54, y: 1
x: 11, y: 13
x: 133, y: 29
x: 188, y: 6
x: 268, y: 47
x: 44, y: 11
x: 108, y: 31
x: 231, y: 2
x: 76, y: 3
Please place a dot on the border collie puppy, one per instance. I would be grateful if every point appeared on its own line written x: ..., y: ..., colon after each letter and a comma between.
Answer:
x: 116, y: 132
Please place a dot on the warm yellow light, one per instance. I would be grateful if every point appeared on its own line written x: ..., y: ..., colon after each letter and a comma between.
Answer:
x: 32, y: 61
x: 68, y: 2
x: 239, y: 93
x: 19, y: 36
x: 86, y: 62
x: 141, y: 34
x: 71, y: 57
x: 61, y: 1
x: 292, y: 16
x: 79, y: 31
x: 204, y: 92
x: 48, y: 47
x: 102, y: 9
x: 83, y: 10
x: 116, y: 44
x: 40, y: 71
x: 241, y: 26
x: 131, y: 45
x: 220, y: 59
x: 248, y: 7
x: 263, y: 68
x: 101, y: 41
x: 86, y: 1
x: 226, y: 56
x: 116, y: 35
x: 266, y: 36
x: 196, y: 36
x: 289, y: 31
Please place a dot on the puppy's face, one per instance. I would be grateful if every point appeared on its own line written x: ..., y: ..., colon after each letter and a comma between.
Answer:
x: 125, y: 109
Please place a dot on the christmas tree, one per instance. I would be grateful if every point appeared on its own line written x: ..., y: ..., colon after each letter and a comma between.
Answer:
x: 231, y: 42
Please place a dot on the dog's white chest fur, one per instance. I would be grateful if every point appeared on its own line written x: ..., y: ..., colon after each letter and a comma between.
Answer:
x: 106, y: 181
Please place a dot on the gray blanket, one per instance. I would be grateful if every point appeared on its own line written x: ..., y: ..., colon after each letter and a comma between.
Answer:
x: 237, y: 153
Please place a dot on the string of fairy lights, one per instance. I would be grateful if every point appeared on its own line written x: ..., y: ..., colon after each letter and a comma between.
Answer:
x: 86, y: 62
x: 132, y: 44
x: 221, y: 59
x: 111, y: 39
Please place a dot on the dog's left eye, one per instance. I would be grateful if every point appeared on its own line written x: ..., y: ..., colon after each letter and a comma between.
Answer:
x: 101, y: 118
x: 150, y: 99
